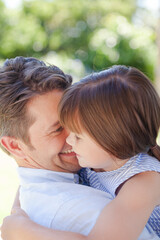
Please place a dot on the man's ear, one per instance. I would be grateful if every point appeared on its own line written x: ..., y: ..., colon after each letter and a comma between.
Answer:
x: 11, y: 144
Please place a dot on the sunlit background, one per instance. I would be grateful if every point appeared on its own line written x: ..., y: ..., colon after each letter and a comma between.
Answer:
x: 79, y: 36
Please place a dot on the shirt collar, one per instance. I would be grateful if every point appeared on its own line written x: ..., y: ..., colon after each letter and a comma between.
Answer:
x: 28, y: 175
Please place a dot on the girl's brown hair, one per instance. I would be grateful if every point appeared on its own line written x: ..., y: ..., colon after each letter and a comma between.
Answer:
x: 119, y: 108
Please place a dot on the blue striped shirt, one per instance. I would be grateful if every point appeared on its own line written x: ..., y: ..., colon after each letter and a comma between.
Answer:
x: 111, y: 180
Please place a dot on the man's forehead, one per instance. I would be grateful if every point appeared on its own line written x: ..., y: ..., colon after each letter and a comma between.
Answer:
x: 44, y: 104
x: 43, y: 109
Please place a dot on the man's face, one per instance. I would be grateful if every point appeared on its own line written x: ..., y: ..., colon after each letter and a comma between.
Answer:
x: 50, y: 150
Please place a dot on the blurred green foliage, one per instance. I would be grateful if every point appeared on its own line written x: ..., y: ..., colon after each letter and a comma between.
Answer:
x: 79, y: 36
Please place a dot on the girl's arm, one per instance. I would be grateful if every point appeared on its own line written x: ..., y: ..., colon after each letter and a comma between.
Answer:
x: 18, y: 226
x: 124, y: 218
x: 126, y: 215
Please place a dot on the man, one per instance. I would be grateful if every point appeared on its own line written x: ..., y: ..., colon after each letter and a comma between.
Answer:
x: 29, y: 95
x: 50, y: 194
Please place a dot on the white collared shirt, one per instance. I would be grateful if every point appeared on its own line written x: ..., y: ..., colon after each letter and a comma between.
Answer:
x: 55, y: 200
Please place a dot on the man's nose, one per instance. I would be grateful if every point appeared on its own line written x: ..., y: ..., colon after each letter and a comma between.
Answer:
x: 66, y: 132
x: 71, y: 139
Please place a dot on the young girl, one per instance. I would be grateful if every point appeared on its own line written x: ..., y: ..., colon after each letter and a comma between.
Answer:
x: 114, y: 118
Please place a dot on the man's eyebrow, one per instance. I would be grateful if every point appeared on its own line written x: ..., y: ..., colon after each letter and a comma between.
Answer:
x: 53, y: 126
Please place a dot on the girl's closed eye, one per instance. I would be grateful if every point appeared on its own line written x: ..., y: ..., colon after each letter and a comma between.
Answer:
x: 77, y: 137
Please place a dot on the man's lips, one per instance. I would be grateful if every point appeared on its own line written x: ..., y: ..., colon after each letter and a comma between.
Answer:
x: 68, y: 152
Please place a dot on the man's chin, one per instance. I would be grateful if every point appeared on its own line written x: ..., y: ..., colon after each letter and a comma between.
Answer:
x: 70, y: 158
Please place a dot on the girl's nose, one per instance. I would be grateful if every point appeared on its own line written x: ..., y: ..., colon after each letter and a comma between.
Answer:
x: 71, y: 139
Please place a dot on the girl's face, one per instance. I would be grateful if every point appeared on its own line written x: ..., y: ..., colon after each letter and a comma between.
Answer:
x: 92, y: 155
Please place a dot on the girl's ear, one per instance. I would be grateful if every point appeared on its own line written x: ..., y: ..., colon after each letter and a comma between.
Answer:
x: 11, y: 144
